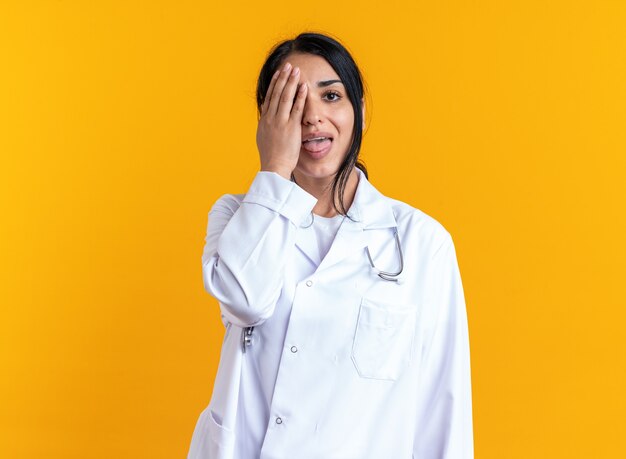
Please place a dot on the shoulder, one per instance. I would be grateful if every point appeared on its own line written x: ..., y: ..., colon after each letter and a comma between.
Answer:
x: 418, y: 225
x: 413, y: 224
x: 227, y: 204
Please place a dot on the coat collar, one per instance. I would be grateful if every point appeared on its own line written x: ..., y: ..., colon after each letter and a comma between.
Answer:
x: 370, y: 210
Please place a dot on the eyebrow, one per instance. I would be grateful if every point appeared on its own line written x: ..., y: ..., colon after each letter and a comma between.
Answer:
x: 323, y: 84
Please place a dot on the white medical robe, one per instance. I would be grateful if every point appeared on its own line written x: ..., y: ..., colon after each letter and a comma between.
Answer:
x: 342, y: 364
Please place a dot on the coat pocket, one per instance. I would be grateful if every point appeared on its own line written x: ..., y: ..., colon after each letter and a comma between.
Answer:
x: 383, y: 341
x: 211, y: 439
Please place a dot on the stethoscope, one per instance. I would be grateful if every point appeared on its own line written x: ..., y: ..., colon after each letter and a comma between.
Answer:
x: 246, y: 336
x: 391, y: 277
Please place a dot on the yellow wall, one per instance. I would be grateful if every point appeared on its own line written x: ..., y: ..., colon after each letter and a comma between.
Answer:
x: 121, y: 123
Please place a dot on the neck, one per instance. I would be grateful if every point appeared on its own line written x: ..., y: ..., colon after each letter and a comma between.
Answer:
x: 322, y: 190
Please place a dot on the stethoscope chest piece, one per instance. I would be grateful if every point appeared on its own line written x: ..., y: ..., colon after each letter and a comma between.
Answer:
x: 246, y: 338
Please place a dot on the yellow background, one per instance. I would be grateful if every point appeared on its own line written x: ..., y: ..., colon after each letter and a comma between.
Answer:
x: 121, y: 122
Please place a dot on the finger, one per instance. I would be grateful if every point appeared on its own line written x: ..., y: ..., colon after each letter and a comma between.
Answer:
x: 270, y: 89
x: 289, y: 91
x: 278, y: 89
x: 298, y: 106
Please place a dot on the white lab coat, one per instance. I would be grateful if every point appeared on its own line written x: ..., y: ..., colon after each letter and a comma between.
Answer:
x: 351, y: 366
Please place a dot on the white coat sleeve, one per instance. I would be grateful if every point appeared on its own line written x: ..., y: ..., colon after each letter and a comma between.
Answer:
x: 444, y: 428
x: 246, y: 248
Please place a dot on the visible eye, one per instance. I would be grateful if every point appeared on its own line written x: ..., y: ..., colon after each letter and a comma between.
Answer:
x: 336, y: 96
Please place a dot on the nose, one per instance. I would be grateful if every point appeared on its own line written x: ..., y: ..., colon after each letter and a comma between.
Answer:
x: 312, y: 112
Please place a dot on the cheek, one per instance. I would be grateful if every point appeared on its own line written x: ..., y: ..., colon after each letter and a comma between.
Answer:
x: 345, y: 122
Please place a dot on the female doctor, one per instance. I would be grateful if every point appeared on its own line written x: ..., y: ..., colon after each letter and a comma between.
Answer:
x: 346, y: 331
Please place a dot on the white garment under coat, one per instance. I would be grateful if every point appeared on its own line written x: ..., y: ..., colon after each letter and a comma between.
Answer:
x: 343, y: 364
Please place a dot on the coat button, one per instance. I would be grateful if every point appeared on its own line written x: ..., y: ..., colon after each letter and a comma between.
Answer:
x: 279, y: 420
x: 309, y: 283
x: 294, y: 349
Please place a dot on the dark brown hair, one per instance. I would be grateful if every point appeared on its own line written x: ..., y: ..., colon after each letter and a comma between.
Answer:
x: 342, y: 62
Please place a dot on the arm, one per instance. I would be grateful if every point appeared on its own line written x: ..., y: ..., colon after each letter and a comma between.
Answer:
x: 246, y: 248
x: 444, y: 427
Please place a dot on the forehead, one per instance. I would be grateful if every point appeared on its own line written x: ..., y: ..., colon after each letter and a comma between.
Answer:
x: 311, y: 66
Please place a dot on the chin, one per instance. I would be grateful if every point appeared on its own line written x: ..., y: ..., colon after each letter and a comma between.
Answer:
x: 317, y: 171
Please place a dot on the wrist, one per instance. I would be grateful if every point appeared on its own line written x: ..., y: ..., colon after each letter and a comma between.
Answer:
x: 282, y: 171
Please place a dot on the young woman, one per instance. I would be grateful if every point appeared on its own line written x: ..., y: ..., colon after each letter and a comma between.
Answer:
x: 346, y: 330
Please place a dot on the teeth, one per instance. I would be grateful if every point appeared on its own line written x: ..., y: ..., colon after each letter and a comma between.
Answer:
x: 316, y: 138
